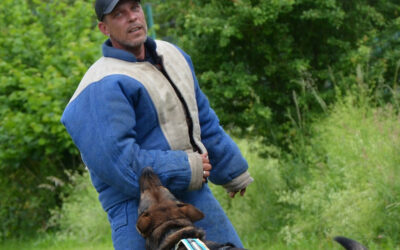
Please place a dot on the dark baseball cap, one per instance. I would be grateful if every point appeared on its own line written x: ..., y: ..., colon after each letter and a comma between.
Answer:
x: 104, y: 7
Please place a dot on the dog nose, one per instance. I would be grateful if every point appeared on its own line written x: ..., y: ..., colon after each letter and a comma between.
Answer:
x: 147, y: 170
x: 148, y: 179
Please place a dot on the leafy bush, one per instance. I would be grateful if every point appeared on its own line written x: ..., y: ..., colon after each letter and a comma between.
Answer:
x: 46, y: 48
x: 254, y: 58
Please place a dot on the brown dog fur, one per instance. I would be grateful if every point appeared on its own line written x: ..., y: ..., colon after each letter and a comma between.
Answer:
x: 163, y: 220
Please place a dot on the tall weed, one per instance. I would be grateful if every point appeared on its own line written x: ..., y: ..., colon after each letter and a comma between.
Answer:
x: 352, y: 171
x: 256, y: 215
x: 81, y: 217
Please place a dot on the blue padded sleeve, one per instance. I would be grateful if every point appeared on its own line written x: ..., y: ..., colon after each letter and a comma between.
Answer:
x: 102, y: 122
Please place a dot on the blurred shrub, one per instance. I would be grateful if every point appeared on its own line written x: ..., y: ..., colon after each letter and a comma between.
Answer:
x: 81, y: 217
x: 46, y: 48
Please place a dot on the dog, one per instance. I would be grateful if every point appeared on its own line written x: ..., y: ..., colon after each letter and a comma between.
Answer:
x: 167, y: 223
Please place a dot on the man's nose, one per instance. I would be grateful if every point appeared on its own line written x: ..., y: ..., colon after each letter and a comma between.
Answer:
x: 132, y: 15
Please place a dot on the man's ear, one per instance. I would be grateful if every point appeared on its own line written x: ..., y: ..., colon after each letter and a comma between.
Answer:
x: 103, y: 28
x: 143, y: 224
x: 191, y: 212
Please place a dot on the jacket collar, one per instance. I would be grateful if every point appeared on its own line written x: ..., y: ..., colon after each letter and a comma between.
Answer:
x: 110, y: 51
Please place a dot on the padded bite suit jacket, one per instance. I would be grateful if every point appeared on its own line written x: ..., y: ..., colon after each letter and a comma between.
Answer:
x: 126, y: 115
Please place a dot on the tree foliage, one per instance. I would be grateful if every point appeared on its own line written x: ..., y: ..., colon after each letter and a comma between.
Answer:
x: 46, y: 48
x: 262, y: 61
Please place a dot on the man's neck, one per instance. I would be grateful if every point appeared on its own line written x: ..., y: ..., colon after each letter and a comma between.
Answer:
x: 139, y: 52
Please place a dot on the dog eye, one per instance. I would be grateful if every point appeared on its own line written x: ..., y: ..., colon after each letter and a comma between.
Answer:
x: 180, y: 204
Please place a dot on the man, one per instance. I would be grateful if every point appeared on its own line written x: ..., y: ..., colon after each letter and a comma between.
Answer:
x: 140, y: 105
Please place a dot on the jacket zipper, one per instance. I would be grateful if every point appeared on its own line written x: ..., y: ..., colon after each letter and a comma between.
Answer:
x: 189, y: 121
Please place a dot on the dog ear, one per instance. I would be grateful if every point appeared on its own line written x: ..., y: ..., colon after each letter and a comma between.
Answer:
x: 143, y: 224
x: 191, y: 211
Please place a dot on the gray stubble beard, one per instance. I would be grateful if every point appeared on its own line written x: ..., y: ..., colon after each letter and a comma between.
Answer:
x: 132, y: 45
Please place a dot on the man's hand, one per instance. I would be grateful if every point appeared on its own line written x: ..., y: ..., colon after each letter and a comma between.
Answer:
x: 232, y: 194
x: 206, y: 167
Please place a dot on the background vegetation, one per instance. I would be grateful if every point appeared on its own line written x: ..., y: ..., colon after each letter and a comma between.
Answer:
x: 310, y: 87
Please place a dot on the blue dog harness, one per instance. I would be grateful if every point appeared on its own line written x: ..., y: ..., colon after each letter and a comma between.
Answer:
x: 192, y: 244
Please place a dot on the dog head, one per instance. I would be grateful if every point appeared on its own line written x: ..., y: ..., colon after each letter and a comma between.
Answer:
x: 163, y: 219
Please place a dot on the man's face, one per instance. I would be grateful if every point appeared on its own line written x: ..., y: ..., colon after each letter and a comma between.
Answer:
x: 126, y: 26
